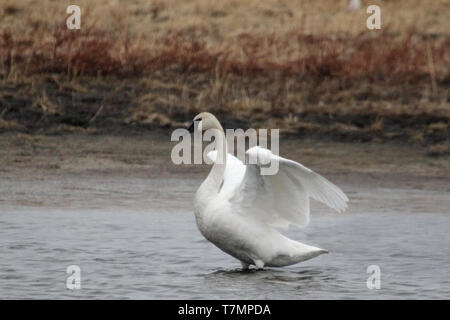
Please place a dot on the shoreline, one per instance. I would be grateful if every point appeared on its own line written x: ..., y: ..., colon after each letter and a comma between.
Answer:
x: 361, y: 112
x: 34, y: 157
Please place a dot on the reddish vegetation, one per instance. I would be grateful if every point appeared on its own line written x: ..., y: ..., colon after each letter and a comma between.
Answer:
x: 373, y: 86
x: 380, y: 57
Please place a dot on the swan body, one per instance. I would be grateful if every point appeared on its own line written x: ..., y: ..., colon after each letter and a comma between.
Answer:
x: 240, y: 211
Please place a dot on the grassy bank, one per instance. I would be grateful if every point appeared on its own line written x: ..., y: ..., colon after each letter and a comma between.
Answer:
x: 307, y: 67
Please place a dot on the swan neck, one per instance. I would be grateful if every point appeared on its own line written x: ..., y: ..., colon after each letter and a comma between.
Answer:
x: 214, y: 180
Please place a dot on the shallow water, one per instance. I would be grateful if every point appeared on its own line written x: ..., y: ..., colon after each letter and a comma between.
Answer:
x: 137, y: 239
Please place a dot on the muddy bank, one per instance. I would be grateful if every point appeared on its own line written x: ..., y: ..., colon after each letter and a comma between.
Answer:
x: 37, y: 157
x: 328, y: 109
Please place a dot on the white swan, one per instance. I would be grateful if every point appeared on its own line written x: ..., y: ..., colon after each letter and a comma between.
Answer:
x: 238, y: 209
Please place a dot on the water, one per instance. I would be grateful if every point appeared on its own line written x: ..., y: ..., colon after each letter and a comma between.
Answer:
x: 136, y: 238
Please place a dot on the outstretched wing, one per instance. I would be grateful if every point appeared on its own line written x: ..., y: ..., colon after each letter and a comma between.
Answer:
x: 282, y: 198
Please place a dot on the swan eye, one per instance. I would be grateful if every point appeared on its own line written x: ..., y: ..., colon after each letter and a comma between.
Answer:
x: 191, y: 127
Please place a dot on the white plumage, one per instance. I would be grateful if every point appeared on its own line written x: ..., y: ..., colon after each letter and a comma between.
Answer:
x: 239, y: 210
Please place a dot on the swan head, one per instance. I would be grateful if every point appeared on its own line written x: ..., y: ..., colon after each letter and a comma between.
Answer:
x: 205, y: 121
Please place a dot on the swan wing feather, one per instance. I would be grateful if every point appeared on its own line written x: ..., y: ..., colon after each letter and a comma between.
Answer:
x: 283, y: 198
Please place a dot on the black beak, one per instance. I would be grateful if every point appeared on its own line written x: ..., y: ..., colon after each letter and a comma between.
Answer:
x: 191, y: 127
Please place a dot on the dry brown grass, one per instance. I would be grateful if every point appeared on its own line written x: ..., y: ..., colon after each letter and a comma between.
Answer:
x: 309, y: 67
